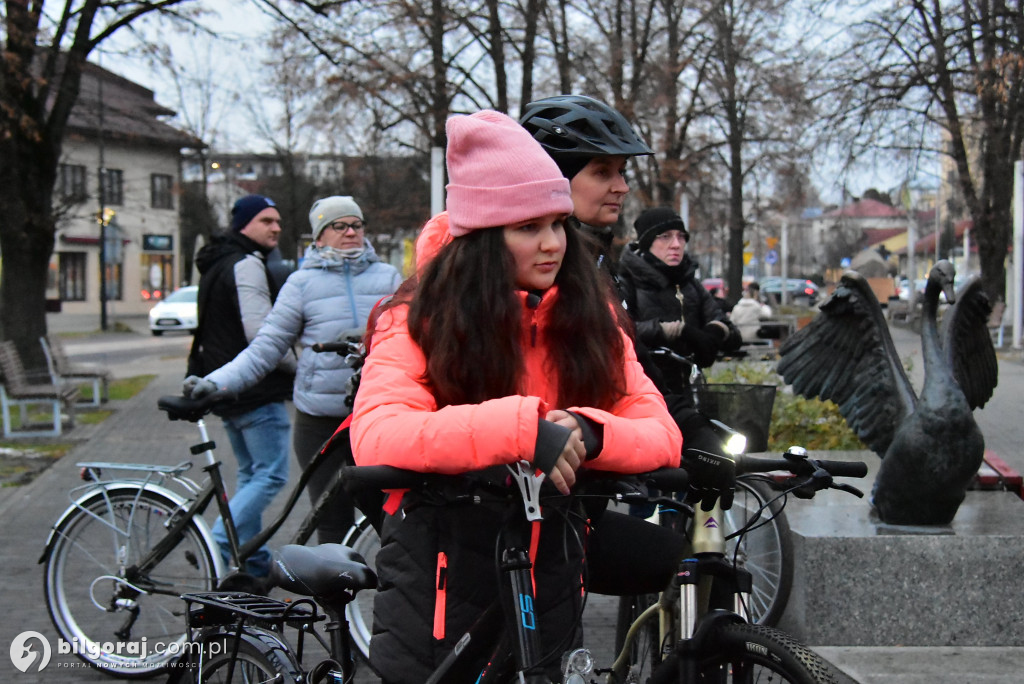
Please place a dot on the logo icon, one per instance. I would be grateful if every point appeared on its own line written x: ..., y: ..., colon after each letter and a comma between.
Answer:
x: 711, y: 523
x: 24, y: 654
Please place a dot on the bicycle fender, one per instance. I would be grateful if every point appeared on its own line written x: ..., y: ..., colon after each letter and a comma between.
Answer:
x: 113, y: 488
x: 269, y: 644
x: 709, y: 623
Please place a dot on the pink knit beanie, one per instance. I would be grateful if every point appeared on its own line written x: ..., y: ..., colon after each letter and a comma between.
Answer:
x: 499, y: 174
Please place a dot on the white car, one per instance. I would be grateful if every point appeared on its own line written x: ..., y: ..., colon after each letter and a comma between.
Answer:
x: 179, y: 311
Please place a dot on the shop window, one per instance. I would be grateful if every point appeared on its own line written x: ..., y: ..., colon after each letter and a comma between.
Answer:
x: 71, y: 278
x: 157, y: 276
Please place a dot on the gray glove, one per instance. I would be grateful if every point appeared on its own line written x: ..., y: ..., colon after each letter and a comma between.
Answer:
x: 195, y: 387
x: 672, y: 329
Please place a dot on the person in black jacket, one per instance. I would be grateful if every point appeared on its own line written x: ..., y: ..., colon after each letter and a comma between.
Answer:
x: 236, y: 292
x: 671, y: 308
x: 666, y: 301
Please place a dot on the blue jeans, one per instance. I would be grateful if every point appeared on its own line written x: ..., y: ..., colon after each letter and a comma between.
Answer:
x: 260, y: 441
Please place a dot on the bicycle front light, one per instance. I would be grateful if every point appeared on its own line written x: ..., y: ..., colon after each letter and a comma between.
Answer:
x: 733, y: 442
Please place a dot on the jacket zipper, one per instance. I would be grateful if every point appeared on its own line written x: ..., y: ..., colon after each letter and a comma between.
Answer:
x: 441, y: 595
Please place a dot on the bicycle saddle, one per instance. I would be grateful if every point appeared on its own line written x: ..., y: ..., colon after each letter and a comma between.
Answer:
x: 327, y: 571
x: 183, y: 408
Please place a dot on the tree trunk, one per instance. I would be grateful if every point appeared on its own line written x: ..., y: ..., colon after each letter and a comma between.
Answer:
x: 26, y: 243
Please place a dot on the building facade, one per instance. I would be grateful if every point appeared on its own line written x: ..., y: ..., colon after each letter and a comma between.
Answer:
x: 116, y: 200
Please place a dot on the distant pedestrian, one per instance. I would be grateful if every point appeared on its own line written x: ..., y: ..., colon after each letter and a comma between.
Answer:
x: 236, y: 292
x: 328, y: 298
x: 749, y: 312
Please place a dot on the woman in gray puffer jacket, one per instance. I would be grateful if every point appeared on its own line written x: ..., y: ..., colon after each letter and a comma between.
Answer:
x: 328, y: 298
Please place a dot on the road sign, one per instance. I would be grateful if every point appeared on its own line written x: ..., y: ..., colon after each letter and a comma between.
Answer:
x: 771, y: 257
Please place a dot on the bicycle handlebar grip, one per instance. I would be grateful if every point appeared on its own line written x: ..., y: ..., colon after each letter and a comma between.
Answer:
x: 340, y: 346
x: 845, y: 468
x: 748, y: 464
x: 382, y: 477
x: 667, y: 479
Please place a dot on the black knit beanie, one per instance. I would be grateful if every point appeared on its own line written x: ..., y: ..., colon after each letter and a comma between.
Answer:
x: 653, y: 222
x: 245, y: 210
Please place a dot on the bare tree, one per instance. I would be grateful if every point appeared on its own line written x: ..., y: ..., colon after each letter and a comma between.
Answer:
x: 41, y: 64
x: 955, y: 67
x: 755, y: 102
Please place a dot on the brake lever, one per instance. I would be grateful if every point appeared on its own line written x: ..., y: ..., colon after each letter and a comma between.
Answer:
x: 849, y: 489
x: 818, y: 480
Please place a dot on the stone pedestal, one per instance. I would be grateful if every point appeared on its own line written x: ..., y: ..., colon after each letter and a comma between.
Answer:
x: 860, y: 582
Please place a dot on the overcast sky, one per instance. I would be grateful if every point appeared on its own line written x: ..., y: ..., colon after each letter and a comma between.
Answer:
x: 235, y: 55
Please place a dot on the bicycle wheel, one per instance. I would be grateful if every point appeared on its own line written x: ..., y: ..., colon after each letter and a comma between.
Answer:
x: 260, y: 657
x: 753, y: 654
x: 89, y: 601
x: 362, y: 539
x: 765, y: 552
x: 644, y: 649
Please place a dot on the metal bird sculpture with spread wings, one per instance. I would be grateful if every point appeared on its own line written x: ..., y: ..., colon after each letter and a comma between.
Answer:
x: 930, y: 445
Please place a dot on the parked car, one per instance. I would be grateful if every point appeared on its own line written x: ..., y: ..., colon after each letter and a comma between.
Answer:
x: 799, y: 290
x: 179, y: 311
x: 716, y: 284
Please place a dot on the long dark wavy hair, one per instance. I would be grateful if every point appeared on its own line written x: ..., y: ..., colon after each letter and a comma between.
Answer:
x: 466, y: 318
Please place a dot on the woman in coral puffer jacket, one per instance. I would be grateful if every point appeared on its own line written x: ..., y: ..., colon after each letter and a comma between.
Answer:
x: 508, y: 349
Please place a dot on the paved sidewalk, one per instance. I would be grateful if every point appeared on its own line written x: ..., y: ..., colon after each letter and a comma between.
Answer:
x: 137, y: 431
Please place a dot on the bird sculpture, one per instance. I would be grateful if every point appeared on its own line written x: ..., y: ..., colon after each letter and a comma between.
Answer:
x: 931, y: 446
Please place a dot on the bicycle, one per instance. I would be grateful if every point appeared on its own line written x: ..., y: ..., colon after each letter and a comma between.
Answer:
x: 134, y: 539
x: 709, y: 641
x: 765, y: 549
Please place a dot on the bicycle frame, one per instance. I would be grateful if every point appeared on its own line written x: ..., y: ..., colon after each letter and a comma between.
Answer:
x: 190, y: 507
x: 690, y: 591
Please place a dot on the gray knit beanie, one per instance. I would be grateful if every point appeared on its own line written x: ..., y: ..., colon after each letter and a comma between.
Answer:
x: 329, y: 209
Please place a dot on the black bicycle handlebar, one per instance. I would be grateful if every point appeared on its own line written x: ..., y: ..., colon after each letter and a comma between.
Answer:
x: 747, y: 464
x: 339, y: 346
x: 664, y: 479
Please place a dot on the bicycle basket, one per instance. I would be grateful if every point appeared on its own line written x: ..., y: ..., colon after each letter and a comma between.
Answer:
x: 746, y: 408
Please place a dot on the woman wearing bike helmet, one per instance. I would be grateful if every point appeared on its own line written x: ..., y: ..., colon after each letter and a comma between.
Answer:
x: 483, y: 365
x: 591, y: 143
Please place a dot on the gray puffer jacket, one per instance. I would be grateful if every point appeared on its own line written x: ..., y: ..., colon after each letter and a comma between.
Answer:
x: 326, y: 297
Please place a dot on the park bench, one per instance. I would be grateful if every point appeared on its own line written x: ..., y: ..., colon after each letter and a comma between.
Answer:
x: 16, y: 389
x: 64, y: 372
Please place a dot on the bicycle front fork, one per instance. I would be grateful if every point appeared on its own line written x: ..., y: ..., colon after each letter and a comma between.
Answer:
x: 695, y: 578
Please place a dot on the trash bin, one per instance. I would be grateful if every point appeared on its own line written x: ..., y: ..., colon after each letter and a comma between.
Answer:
x: 745, y: 408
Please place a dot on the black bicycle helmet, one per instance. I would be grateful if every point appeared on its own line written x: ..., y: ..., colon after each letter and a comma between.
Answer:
x: 581, y: 127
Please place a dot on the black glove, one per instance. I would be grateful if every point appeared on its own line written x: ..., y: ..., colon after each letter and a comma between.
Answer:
x: 703, y: 345
x: 712, y: 471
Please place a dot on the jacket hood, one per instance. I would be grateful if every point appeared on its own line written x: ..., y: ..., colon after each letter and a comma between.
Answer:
x: 316, y: 257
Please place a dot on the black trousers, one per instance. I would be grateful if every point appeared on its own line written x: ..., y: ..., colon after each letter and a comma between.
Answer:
x: 308, y: 435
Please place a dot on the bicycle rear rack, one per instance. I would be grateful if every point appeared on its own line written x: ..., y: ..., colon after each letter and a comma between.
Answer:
x: 220, y: 608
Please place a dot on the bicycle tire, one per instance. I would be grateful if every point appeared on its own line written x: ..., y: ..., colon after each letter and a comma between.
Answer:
x: 261, y: 658
x: 363, y: 539
x: 86, y: 548
x: 765, y: 552
x: 740, y: 652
